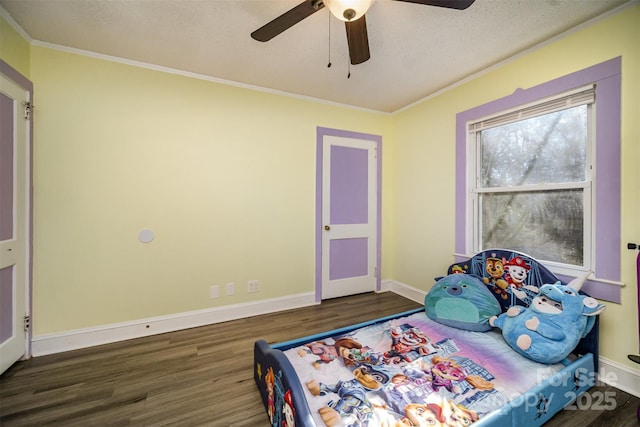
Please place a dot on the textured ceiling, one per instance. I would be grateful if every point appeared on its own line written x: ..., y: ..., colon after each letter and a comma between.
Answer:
x: 416, y: 50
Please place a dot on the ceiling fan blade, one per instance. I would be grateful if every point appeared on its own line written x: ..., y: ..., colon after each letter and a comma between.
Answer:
x: 451, y: 4
x: 358, y: 40
x: 287, y: 20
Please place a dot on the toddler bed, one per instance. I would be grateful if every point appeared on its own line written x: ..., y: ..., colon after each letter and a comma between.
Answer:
x: 454, y: 362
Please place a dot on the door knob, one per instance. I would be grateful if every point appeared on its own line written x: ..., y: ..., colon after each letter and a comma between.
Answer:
x: 327, y: 227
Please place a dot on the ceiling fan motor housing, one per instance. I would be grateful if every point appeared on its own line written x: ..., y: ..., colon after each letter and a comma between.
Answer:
x: 348, y: 10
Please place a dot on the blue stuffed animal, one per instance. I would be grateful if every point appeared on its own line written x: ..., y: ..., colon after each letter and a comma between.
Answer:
x: 551, y: 327
x: 462, y: 301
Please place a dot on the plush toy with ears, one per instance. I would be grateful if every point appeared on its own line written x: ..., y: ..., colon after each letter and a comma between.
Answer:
x: 551, y: 327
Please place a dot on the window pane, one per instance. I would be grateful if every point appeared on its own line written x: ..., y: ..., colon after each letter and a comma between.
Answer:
x: 547, y: 225
x: 545, y: 149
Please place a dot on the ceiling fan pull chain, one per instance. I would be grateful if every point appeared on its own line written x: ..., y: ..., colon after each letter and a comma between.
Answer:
x: 348, y: 69
x: 329, y: 64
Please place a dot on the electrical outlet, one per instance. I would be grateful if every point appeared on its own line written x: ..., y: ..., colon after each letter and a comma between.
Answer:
x: 214, y: 292
x: 231, y: 288
x: 253, y: 286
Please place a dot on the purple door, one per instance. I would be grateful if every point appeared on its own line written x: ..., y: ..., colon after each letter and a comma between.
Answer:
x: 13, y: 222
x: 349, y: 216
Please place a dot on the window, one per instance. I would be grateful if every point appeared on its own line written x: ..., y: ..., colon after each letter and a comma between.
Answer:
x: 511, y: 179
x: 530, y: 180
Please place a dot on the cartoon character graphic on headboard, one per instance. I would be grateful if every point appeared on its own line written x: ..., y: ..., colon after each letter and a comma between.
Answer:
x: 495, y: 268
x: 551, y: 327
x: 517, y: 270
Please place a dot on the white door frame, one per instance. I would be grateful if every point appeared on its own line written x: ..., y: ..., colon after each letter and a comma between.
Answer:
x: 26, y: 170
x: 320, y: 134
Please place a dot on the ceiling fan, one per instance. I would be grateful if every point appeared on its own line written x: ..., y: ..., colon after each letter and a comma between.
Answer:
x: 351, y: 12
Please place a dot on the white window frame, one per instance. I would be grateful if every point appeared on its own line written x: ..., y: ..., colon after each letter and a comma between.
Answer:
x: 580, y: 96
x: 604, y: 283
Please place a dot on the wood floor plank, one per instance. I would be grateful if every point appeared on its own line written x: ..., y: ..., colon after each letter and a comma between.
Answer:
x: 201, y: 376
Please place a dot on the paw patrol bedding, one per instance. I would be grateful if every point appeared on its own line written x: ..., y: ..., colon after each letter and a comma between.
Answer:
x: 411, y: 371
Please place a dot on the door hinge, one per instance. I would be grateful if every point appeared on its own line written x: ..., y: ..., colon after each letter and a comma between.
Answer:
x: 375, y: 272
x: 27, y: 323
x: 28, y: 109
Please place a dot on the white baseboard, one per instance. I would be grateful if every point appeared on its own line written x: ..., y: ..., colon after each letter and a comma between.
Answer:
x: 404, y: 290
x: 42, y: 345
x: 81, y: 338
x: 611, y: 373
x: 619, y: 376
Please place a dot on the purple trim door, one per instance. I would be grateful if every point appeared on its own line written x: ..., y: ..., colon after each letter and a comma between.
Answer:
x: 348, y: 212
x: 6, y: 218
x: 15, y: 215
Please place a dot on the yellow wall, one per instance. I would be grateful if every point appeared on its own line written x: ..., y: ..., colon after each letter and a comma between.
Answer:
x: 424, y: 169
x: 14, y: 49
x: 225, y: 177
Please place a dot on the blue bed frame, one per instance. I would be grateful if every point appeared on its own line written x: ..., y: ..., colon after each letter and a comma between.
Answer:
x: 286, y: 400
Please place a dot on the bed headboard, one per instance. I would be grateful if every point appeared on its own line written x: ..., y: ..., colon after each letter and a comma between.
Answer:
x: 514, y: 278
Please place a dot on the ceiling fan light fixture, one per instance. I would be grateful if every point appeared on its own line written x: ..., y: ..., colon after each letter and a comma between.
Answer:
x: 348, y: 10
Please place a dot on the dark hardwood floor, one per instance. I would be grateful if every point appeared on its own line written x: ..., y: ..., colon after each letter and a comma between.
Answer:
x: 201, y: 376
